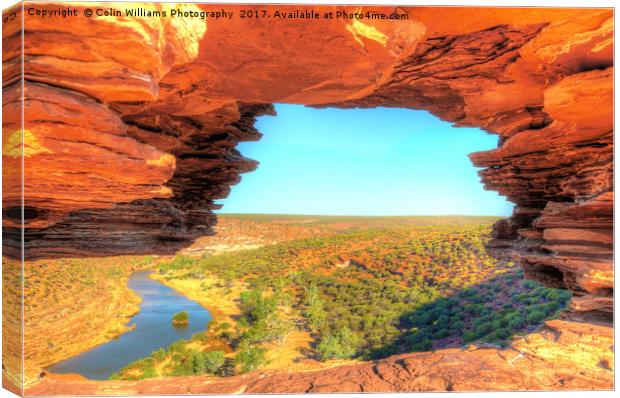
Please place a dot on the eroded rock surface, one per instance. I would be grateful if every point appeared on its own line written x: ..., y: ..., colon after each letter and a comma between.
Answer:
x: 564, y: 355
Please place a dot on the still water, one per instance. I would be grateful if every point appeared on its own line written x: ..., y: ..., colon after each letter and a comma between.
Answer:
x: 153, y: 330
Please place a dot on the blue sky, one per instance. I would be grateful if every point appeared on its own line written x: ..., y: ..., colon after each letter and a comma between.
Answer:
x: 382, y: 161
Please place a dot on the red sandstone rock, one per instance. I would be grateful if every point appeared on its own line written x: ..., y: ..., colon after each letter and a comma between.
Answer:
x: 564, y: 355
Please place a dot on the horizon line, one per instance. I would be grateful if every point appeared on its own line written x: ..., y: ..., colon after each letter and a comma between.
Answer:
x: 359, y: 215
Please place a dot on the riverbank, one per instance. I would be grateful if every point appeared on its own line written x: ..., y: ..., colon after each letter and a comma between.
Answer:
x: 222, y: 298
x: 210, y: 292
x: 544, y: 360
x: 74, y: 305
x: 153, y: 332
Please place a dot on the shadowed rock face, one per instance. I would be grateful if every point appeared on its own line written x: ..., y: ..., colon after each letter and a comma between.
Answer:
x: 131, y: 126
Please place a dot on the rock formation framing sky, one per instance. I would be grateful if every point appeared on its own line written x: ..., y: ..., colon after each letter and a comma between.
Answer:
x: 382, y: 161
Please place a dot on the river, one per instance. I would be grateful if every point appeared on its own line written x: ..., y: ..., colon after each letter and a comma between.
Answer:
x: 153, y: 330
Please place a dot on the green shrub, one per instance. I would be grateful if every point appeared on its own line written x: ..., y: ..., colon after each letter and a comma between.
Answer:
x: 224, y: 326
x: 179, y: 262
x: 214, y: 360
x: 501, y: 334
x: 250, y: 358
x: 516, y: 322
x: 340, y: 345
x: 441, y: 334
x: 424, y: 345
x: 207, y: 362
x: 457, y: 327
x: 159, y: 355
x: 536, y: 316
x: 149, y: 372
x: 255, y: 307
x: 200, y: 336
x: 470, y: 336
x: 484, y: 328
x: 178, y: 347
x: 180, y: 318
x: 183, y: 367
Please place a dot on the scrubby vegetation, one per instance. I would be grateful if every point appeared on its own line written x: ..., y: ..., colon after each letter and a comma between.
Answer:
x: 180, y: 359
x: 180, y: 318
x: 490, y: 312
x: 90, y: 294
x: 362, y: 288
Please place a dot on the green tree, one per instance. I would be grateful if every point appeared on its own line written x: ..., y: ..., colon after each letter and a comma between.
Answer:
x: 260, y: 319
x: 213, y: 361
x: 342, y: 344
x: 536, y: 316
x: 469, y: 336
x: 254, y: 307
x: 159, y: 355
x: 279, y: 328
x: 199, y: 364
x: 516, y: 322
x: 250, y: 357
x: 315, y: 308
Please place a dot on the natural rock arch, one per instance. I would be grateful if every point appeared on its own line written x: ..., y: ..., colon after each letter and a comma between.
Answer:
x: 131, y: 124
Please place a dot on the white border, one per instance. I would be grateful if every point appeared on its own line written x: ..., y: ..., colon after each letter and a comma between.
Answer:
x: 510, y: 3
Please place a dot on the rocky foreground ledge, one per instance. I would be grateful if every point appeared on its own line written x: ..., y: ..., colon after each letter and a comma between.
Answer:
x: 564, y: 355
